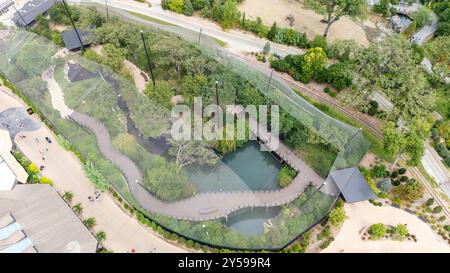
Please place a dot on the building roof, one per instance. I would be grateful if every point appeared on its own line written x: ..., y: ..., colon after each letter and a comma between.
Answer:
x: 36, y: 212
x: 31, y: 10
x: 8, y: 178
x: 9, y: 162
x: 71, y: 41
x: 352, y: 185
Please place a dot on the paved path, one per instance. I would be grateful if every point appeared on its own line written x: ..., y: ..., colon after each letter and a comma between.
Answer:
x: 140, y: 77
x: 426, y: 31
x: 364, y: 214
x: 236, y: 40
x: 202, y: 206
x: 432, y: 163
x: 123, y: 233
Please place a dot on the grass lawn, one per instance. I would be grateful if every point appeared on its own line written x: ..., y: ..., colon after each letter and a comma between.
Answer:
x: 376, y: 144
x: 161, y: 22
x: 150, y: 19
x: 320, y: 158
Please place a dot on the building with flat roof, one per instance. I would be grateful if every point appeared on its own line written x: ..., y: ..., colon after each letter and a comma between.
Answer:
x: 5, y: 5
x: 34, y: 218
x: 71, y: 41
x: 30, y: 11
x: 10, y: 170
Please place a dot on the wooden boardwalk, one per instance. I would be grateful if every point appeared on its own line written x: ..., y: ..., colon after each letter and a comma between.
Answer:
x: 202, y: 206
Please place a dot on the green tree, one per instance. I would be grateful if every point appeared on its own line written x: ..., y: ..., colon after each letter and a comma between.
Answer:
x: 161, y: 93
x: 195, y: 86
x: 101, y: 236
x: 68, y: 196
x: 393, y: 139
x: 386, y: 67
x: 377, y: 231
x: 410, y: 191
x: 333, y: 10
x: 57, y: 39
x: 168, y: 182
x: 423, y: 17
x: 77, y: 209
x: 89, y: 222
x: 337, y: 215
x: 401, y: 231
x: 272, y: 32
x: 319, y: 41
x: 58, y: 14
x: 188, y: 8
x: 175, y: 5
x: 313, y: 62
x: 229, y: 15
x: 189, y: 152
x: 438, y: 50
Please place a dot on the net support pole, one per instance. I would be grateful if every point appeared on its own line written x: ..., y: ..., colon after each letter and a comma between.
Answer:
x: 149, y: 63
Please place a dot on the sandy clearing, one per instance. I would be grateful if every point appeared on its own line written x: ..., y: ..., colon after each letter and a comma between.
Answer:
x: 139, y: 80
x: 56, y: 94
x: 305, y: 20
x: 6, y: 101
x: 363, y: 214
x: 57, y: 27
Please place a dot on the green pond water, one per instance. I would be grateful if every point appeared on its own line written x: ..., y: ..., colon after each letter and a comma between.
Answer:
x: 247, y: 168
x: 251, y: 222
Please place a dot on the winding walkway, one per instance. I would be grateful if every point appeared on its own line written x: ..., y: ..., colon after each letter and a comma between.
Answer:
x: 202, y: 206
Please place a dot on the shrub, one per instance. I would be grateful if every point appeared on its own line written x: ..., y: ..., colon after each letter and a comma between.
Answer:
x: 175, y: 5
x: 89, y: 222
x: 96, y: 177
x: 402, y: 171
x: 32, y: 168
x: 378, y: 171
x: 326, y: 243
x: 318, y: 41
x: 377, y: 231
x: 403, y: 178
x: 394, y: 174
x: 447, y: 227
x: 188, y: 9
x: 285, y: 176
x: 327, y: 90
x: 437, y: 209
x: 410, y: 191
x: 385, y: 185
x: 429, y: 202
x: 447, y: 161
x: 401, y: 231
x: 442, y: 150
x: 46, y: 180
x: 337, y: 216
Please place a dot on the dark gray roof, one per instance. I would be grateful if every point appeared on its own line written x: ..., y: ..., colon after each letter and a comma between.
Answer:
x: 353, y: 185
x: 31, y: 10
x: 71, y: 41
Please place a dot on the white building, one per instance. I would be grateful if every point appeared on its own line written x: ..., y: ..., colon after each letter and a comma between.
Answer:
x: 5, y: 5
x: 10, y: 170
